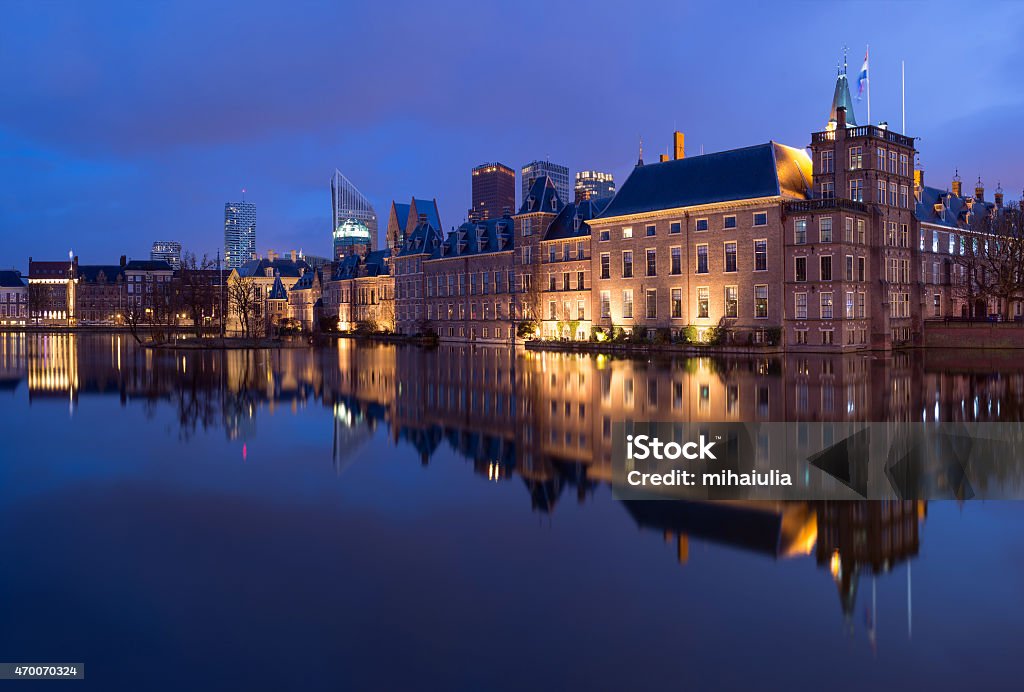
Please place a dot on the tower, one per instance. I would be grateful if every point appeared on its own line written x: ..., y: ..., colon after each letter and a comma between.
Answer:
x: 239, y: 233
x: 348, y: 203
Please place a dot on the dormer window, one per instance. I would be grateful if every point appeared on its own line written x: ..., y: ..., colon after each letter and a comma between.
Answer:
x: 554, y: 203
x: 530, y: 201
x: 269, y: 272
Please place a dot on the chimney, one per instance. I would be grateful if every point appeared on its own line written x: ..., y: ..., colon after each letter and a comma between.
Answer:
x: 918, y: 182
x: 293, y: 255
x: 124, y: 260
x: 979, y: 190
x: 999, y: 195
x: 663, y: 158
x: 958, y: 186
x: 841, y: 117
x: 679, y: 145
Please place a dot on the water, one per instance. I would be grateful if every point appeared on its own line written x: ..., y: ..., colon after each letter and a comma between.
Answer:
x: 372, y: 517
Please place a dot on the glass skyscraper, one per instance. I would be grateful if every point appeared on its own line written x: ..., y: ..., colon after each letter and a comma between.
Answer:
x: 594, y: 185
x: 168, y: 251
x: 347, y: 203
x: 239, y: 233
x: 558, y: 174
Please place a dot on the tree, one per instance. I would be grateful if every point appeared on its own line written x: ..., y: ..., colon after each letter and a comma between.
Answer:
x: 197, y: 294
x: 990, y: 260
x: 243, y: 303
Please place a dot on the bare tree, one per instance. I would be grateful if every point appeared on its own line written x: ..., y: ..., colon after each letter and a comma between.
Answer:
x: 197, y: 294
x: 242, y: 302
x: 990, y: 261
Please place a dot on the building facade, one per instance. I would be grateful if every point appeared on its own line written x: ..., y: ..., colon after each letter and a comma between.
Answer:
x: 593, y: 185
x: 347, y: 202
x: 239, y: 233
x: 167, y: 251
x: 13, y: 299
x: 556, y: 173
x: 494, y: 191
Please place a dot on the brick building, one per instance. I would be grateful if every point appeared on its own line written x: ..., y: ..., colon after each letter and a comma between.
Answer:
x: 13, y: 299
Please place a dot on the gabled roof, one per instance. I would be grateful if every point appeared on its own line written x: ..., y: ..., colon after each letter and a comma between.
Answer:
x: 477, y: 238
x: 401, y: 213
x: 543, y: 197
x: 423, y: 240
x: 277, y: 291
x: 307, y: 281
x: 571, y: 222
x: 90, y: 273
x: 358, y: 266
x: 11, y: 279
x: 283, y: 267
x: 954, y: 212
x: 148, y: 266
x: 427, y: 207
x: 763, y: 170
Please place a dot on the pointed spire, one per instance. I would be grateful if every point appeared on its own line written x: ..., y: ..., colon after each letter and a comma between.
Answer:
x: 841, y: 97
x: 640, y: 159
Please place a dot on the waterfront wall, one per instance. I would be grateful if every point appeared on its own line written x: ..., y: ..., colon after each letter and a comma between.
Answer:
x: 942, y: 334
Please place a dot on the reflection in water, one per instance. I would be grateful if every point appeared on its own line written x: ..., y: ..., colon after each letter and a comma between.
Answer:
x: 545, y: 420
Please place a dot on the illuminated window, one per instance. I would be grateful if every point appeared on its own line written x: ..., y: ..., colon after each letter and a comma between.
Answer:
x: 703, y: 300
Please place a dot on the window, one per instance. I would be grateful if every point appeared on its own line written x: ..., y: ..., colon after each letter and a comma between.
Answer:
x: 731, y: 301
x: 526, y: 255
x: 652, y: 262
x: 579, y: 281
x: 825, y: 229
x: 849, y: 268
x: 729, y: 222
x: 801, y: 336
x: 627, y: 304
x: 892, y: 194
x: 935, y: 241
x: 857, y: 190
x: 849, y: 305
x: 828, y: 163
x: 606, y: 304
x: 861, y: 232
x: 848, y: 231
x: 828, y: 337
x: 800, y: 269
x: 826, y: 305
x: 604, y: 235
x: 627, y: 233
x: 627, y: 264
x: 856, y: 158
x: 702, y: 259
x: 801, y: 305
x: 761, y: 301
x: 579, y: 249
x: 703, y: 293
x: 675, y: 228
x: 552, y: 310
x: 581, y: 310
x: 828, y: 190
x: 826, y: 268
x: 651, y: 230
x: 860, y: 305
x: 677, y: 303
x: 730, y: 256
x: 937, y: 305
x: 551, y: 282
x: 760, y: 255
x: 761, y: 218
x: 800, y: 232
x: 893, y: 155
x: 905, y: 235
x: 652, y: 303
x: 566, y: 251
x: 904, y: 167
x: 606, y: 262
x: 881, y: 192
x: 880, y: 158
x: 904, y: 197
x: 702, y: 224
x: 565, y: 281
x: 677, y: 260
x: 552, y: 253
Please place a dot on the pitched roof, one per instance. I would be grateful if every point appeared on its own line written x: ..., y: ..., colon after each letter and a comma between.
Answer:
x: 49, y: 270
x: 307, y: 281
x: 954, y: 212
x: 571, y: 222
x: 424, y: 239
x: 841, y: 97
x: 284, y: 267
x: 428, y: 208
x: 359, y: 266
x: 90, y: 273
x: 543, y: 197
x: 277, y: 291
x: 762, y: 170
x: 11, y: 279
x: 148, y: 266
x: 477, y: 238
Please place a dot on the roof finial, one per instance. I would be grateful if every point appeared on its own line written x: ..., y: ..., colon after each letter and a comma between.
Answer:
x: 640, y: 159
x: 845, y: 52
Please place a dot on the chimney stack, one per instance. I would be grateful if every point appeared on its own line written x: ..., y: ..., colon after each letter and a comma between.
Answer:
x: 918, y: 182
x: 663, y: 158
x: 841, y: 117
x: 124, y: 260
x: 979, y: 190
x: 679, y: 145
x: 958, y: 186
x: 999, y: 195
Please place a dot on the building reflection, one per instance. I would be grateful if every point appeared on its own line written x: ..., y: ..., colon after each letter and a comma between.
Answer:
x: 545, y: 420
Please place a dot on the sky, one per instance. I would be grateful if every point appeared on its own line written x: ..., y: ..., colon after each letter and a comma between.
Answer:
x: 122, y: 123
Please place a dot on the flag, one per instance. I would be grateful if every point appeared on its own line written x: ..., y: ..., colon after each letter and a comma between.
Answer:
x: 862, y: 78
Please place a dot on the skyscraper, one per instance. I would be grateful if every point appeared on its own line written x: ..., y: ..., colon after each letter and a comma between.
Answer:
x: 494, y: 191
x: 594, y: 185
x: 239, y: 233
x: 559, y: 176
x: 347, y: 203
x: 167, y: 250
x: 351, y: 237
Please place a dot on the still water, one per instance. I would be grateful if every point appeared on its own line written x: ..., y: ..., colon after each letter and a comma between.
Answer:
x: 378, y: 517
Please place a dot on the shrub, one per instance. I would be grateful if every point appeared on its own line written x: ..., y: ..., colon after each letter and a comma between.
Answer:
x: 663, y: 335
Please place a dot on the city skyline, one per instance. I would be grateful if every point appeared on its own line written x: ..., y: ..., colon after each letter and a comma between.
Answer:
x: 280, y: 154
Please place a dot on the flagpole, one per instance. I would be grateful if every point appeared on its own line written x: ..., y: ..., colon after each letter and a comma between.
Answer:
x: 867, y: 78
x: 903, y: 79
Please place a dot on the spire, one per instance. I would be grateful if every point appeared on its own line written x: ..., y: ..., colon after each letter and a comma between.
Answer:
x: 640, y: 159
x: 841, y: 97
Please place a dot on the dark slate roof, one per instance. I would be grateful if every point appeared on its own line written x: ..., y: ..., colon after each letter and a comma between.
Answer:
x: 90, y: 273
x: 429, y: 208
x: 49, y: 270
x: 841, y: 97
x: 543, y: 197
x: 11, y: 279
x: 306, y: 282
x: 401, y: 213
x: 424, y: 239
x: 763, y: 170
x: 277, y: 291
x: 954, y: 209
x: 148, y: 266
x: 477, y: 238
x: 571, y: 222
x: 356, y: 266
x: 285, y: 267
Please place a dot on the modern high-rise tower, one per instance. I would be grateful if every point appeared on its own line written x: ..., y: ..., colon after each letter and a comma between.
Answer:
x: 559, y: 176
x: 347, y: 203
x: 494, y: 191
x: 594, y: 185
x: 167, y: 250
x: 239, y: 233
